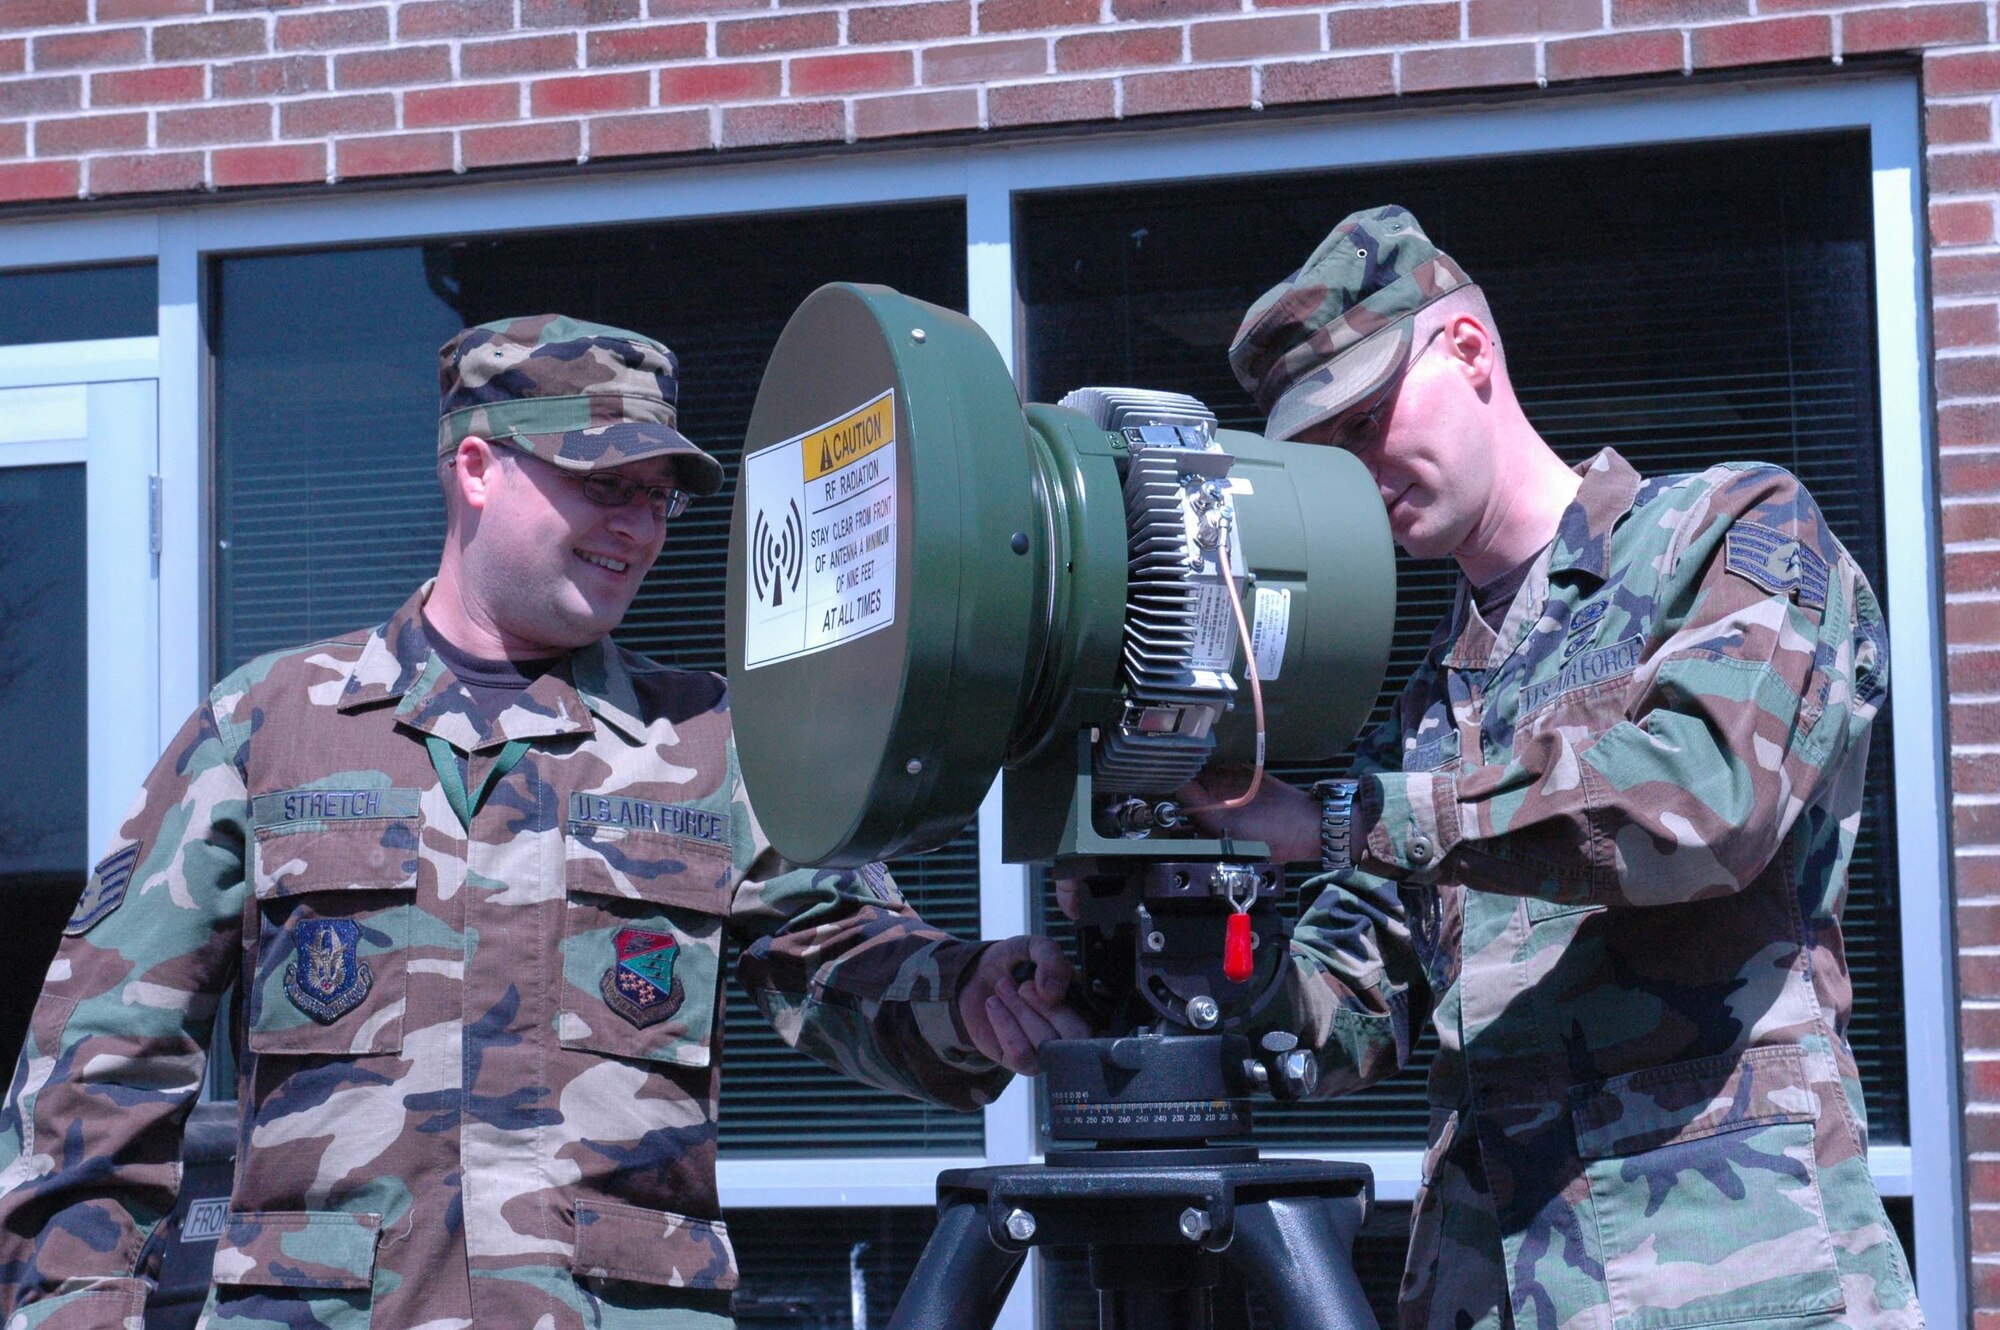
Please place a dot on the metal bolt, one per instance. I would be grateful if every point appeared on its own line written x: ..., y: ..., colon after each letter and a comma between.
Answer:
x: 914, y: 766
x: 1156, y: 941
x: 1020, y: 1225
x: 917, y: 335
x: 1195, y: 1224
x: 1298, y: 1075
x: 1202, y: 1013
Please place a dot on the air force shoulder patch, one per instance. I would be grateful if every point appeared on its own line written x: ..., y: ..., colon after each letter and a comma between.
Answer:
x: 104, y: 892
x: 1779, y: 563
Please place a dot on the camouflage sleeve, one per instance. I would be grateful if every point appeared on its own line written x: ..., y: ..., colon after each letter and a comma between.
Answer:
x: 846, y: 971
x: 90, y: 1135
x: 1766, y: 661
x: 1355, y: 993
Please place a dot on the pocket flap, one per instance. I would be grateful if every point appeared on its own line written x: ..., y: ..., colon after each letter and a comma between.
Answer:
x: 298, y: 1249
x: 378, y: 854
x: 650, y: 866
x: 1685, y: 1101
x: 652, y: 1247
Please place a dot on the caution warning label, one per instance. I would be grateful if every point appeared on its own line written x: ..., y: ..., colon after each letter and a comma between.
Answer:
x: 821, y: 536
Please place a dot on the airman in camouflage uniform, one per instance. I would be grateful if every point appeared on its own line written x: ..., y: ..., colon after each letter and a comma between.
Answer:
x: 1602, y: 845
x: 479, y: 948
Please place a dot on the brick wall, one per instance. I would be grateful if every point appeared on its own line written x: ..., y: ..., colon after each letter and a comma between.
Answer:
x: 104, y: 98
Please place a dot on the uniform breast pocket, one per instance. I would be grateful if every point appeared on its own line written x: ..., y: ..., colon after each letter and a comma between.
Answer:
x: 1706, y: 1193
x: 334, y: 906
x: 642, y: 945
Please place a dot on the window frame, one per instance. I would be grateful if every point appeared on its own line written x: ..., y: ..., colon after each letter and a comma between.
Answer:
x: 986, y: 177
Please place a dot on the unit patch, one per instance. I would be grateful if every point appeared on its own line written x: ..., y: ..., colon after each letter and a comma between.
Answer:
x: 104, y: 892
x: 1581, y: 628
x: 673, y: 819
x: 329, y: 979
x: 1778, y: 563
x: 641, y: 986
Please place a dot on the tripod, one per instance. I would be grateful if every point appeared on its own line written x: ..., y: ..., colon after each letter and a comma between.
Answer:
x: 1159, y: 1208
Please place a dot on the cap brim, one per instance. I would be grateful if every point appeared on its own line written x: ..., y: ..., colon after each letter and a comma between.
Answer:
x: 606, y: 446
x: 1340, y: 383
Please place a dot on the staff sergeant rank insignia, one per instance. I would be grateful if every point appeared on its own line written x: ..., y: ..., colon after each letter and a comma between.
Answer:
x: 641, y: 986
x: 329, y: 979
x: 104, y: 892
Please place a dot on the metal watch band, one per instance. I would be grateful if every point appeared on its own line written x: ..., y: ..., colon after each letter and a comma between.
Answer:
x: 1336, y: 824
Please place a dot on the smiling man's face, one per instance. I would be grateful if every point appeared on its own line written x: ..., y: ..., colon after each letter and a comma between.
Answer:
x: 551, y: 568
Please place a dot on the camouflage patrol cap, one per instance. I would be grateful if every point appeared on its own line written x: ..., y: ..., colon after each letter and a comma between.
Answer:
x: 580, y: 395
x: 1338, y: 328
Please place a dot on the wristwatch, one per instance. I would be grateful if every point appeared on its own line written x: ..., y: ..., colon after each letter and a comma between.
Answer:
x: 1336, y: 824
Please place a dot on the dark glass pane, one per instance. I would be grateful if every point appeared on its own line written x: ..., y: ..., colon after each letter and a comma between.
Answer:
x: 328, y: 511
x: 44, y: 803
x: 824, y: 1269
x: 79, y: 304
x: 1695, y: 303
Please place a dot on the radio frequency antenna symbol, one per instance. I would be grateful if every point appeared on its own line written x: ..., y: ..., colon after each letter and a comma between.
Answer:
x: 777, y: 559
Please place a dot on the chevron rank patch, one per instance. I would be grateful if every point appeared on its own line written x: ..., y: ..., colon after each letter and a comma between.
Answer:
x: 329, y: 978
x: 1778, y: 563
x: 640, y: 985
x: 104, y: 892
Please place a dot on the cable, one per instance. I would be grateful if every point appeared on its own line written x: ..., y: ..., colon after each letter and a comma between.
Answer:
x: 1224, y: 547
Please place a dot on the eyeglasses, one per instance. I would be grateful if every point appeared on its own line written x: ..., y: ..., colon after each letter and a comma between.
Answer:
x: 611, y: 491
x: 1363, y: 425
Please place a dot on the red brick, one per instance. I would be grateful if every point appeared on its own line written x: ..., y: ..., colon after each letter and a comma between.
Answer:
x: 1967, y: 222
x: 1965, y: 274
x: 577, y: 13
x: 1051, y: 103
x: 1977, y: 824
x: 1186, y: 90
x: 1613, y: 54
x: 1764, y: 41
x: 329, y: 29
x: 75, y: 135
x: 1979, y: 977
x: 1977, y: 773
x: 1662, y: 13
x: 149, y: 87
x: 662, y: 41
x: 1970, y: 521
x: 1511, y: 18
x: 1985, y: 1274
x: 1468, y: 67
x: 1971, y: 424
x: 787, y: 32
x: 1960, y: 74
x: 854, y: 71
x: 330, y: 117
x: 1982, y: 1085
x: 1962, y: 474
x: 1391, y: 25
x: 659, y: 133
x: 392, y: 68
x: 1979, y: 926
x: 1330, y: 80
x: 591, y: 93
x: 787, y: 122
x: 393, y: 154
x: 1985, y: 1223
x: 22, y: 181
x: 1982, y: 1133
x: 1036, y: 15
x: 1255, y: 38
x: 1972, y: 622
x: 285, y: 76
x: 518, y: 55
x: 1957, y: 326
x: 908, y: 23
x: 985, y: 62
x: 1976, y: 876
x: 1958, y: 122
x: 1976, y: 722
x: 688, y: 8
x: 700, y: 85
x: 421, y: 20
x: 1154, y: 11
x: 1119, y: 48
x: 20, y: 97
x: 210, y: 40
x: 99, y: 46
x: 268, y: 164
x: 240, y: 122
x: 145, y: 173
x: 1913, y: 28
x: 916, y: 113
x: 1963, y: 172
x: 115, y: 11
x: 14, y: 140
x: 1974, y: 671
x: 13, y: 55
x: 19, y: 14
x: 466, y: 104
x: 513, y: 145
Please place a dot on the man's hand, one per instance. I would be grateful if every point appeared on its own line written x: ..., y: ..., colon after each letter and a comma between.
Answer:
x: 1009, y: 1019
x: 1282, y: 816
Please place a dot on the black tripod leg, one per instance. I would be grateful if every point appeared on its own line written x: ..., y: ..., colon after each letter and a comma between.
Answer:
x: 962, y: 1278
x: 1296, y: 1251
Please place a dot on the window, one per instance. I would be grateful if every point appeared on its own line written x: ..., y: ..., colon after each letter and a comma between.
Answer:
x: 79, y: 304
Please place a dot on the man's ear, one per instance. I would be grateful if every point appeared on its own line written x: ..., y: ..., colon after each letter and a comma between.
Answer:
x: 1470, y: 343
x: 475, y: 468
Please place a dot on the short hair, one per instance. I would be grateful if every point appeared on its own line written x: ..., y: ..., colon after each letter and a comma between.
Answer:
x: 1467, y: 299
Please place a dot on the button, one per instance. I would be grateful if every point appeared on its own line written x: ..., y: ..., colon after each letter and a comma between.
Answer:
x: 1420, y: 850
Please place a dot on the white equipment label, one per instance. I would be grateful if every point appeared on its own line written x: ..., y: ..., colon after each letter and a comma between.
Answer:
x: 1270, y: 624
x: 821, y: 543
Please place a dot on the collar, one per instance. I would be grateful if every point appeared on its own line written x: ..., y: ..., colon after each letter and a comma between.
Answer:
x: 397, y: 665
